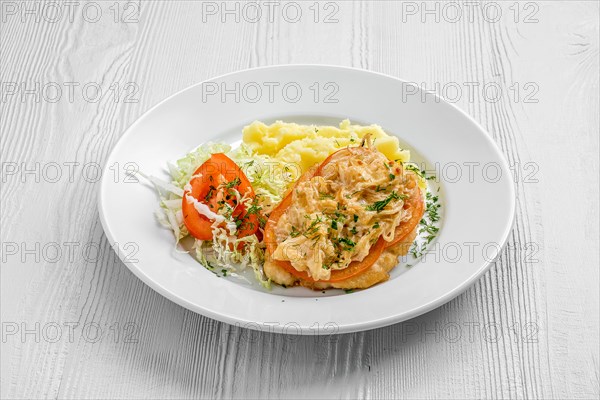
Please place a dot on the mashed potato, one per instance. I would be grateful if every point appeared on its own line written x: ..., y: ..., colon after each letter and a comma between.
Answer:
x: 307, y: 145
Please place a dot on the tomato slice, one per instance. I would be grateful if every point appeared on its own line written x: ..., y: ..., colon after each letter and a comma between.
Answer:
x: 214, y: 184
x: 415, y: 204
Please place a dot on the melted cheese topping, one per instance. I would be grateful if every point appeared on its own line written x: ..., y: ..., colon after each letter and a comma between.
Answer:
x: 335, y: 218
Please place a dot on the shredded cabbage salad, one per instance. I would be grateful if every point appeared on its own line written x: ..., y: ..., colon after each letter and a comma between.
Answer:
x: 225, y: 254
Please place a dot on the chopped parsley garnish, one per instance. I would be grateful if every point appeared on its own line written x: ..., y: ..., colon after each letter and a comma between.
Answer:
x: 262, y: 221
x: 334, y: 224
x: 427, y: 225
x: 414, y: 169
x: 432, y: 207
x: 349, y: 243
x: 254, y: 208
x: 209, y: 195
x: 392, y: 177
x: 336, y: 215
x: 378, y: 206
x: 420, y: 172
x: 313, y: 227
x: 295, y: 232
x: 355, y: 218
x: 249, y: 225
x: 236, y: 182
x: 353, y: 230
x: 376, y: 225
x: 228, y: 210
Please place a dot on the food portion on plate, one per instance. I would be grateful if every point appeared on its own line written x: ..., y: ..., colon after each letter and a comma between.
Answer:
x: 335, y: 225
x: 317, y: 206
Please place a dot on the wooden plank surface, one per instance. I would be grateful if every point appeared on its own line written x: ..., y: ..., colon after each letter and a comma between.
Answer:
x: 78, y: 324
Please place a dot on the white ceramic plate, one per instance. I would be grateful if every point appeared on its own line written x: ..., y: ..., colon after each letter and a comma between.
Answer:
x: 476, y: 192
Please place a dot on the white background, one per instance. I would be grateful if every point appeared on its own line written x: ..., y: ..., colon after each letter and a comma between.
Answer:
x: 80, y: 325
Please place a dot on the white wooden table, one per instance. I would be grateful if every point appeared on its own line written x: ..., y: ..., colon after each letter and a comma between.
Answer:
x: 77, y: 324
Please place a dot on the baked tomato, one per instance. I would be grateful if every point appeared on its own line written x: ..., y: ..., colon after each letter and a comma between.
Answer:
x: 355, y: 267
x: 414, y: 204
x: 214, y: 192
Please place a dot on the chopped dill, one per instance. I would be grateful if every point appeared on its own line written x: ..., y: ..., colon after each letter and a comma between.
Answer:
x: 378, y: 206
x: 313, y: 227
x: 349, y: 244
x: 236, y: 182
x: 295, y: 232
x: 427, y: 225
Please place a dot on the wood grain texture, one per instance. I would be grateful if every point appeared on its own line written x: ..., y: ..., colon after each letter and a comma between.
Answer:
x: 527, y: 329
